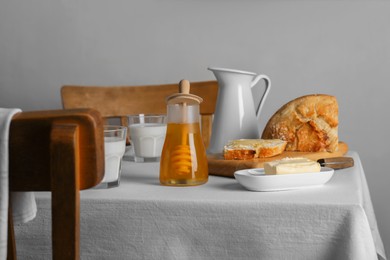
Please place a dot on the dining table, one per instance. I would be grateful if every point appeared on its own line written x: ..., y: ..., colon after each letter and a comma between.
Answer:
x: 142, y: 219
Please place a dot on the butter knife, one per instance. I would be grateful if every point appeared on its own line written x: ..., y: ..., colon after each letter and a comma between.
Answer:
x: 336, y: 162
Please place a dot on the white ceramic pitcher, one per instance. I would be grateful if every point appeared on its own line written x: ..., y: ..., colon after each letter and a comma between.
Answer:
x: 236, y: 116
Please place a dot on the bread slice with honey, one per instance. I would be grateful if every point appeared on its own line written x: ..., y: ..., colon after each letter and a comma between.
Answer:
x: 308, y: 124
x: 245, y: 149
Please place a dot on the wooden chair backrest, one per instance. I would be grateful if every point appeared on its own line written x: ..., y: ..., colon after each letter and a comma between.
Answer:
x: 120, y: 101
x: 61, y: 151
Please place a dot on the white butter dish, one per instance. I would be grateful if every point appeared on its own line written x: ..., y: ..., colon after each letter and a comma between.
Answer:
x: 256, y: 180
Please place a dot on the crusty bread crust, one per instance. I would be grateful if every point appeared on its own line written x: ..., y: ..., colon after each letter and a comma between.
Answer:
x: 245, y: 149
x: 308, y: 124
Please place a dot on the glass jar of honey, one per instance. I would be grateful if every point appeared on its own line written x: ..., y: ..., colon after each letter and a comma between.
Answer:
x: 183, y: 159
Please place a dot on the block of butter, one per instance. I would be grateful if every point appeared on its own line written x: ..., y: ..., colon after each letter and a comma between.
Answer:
x: 291, y: 165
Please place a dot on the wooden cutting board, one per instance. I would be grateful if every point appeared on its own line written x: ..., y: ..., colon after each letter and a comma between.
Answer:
x: 221, y: 167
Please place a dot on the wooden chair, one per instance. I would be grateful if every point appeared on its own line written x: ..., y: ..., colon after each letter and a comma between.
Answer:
x: 119, y: 101
x: 60, y: 151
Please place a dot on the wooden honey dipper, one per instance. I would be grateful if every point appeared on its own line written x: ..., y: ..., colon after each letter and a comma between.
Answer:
x: 184, y: 88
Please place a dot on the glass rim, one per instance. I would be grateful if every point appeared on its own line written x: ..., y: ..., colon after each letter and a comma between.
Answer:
x: 147, y: 115
x: 113, y: 128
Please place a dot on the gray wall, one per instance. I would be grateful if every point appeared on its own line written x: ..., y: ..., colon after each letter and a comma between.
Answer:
x: 336, y: 47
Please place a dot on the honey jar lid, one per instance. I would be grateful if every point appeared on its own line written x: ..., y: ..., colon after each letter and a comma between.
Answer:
x: 184, y: 96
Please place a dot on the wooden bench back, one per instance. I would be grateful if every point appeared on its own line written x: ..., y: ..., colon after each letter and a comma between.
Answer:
x: 120, y: 101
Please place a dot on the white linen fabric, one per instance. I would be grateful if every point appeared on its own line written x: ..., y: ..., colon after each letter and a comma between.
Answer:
x: 23, y: 203
x: 218, y: 220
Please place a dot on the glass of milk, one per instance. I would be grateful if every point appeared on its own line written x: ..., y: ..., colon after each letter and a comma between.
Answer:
x: 147, y: 135
x: 114, y: 149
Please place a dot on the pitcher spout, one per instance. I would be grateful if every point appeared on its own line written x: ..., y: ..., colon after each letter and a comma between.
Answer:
x: 217, y: 69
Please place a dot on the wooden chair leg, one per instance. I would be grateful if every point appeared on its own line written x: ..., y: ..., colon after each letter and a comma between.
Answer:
x: 66, y: 208
x: 11, y: 244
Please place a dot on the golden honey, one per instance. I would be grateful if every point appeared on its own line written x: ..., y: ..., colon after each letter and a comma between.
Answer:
x: 183, y: 160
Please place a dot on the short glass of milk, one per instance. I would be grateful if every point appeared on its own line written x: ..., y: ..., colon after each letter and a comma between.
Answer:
x: 114, y: 149
x: 147, y: 135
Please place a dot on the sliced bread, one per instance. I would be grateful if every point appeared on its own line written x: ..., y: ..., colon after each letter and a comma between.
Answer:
x: 244, y: 149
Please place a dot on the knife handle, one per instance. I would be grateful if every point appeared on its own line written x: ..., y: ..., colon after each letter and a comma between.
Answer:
x: 336, y: 162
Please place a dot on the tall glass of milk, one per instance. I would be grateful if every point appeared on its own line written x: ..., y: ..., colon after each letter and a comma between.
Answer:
x: 114, y: 149
x: 147, y: 135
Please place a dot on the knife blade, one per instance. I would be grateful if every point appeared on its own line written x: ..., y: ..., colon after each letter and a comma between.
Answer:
x: 336, y: 162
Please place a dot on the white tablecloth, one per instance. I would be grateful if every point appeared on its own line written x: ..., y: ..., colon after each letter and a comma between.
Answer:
x: 219, y: 220
x: 23, y: 203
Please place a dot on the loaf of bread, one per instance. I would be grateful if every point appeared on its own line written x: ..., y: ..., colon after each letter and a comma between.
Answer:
x: 244, y: 149
x: 308, y: 124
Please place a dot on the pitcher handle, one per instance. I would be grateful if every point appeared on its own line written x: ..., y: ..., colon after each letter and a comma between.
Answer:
x: 267, y: 89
